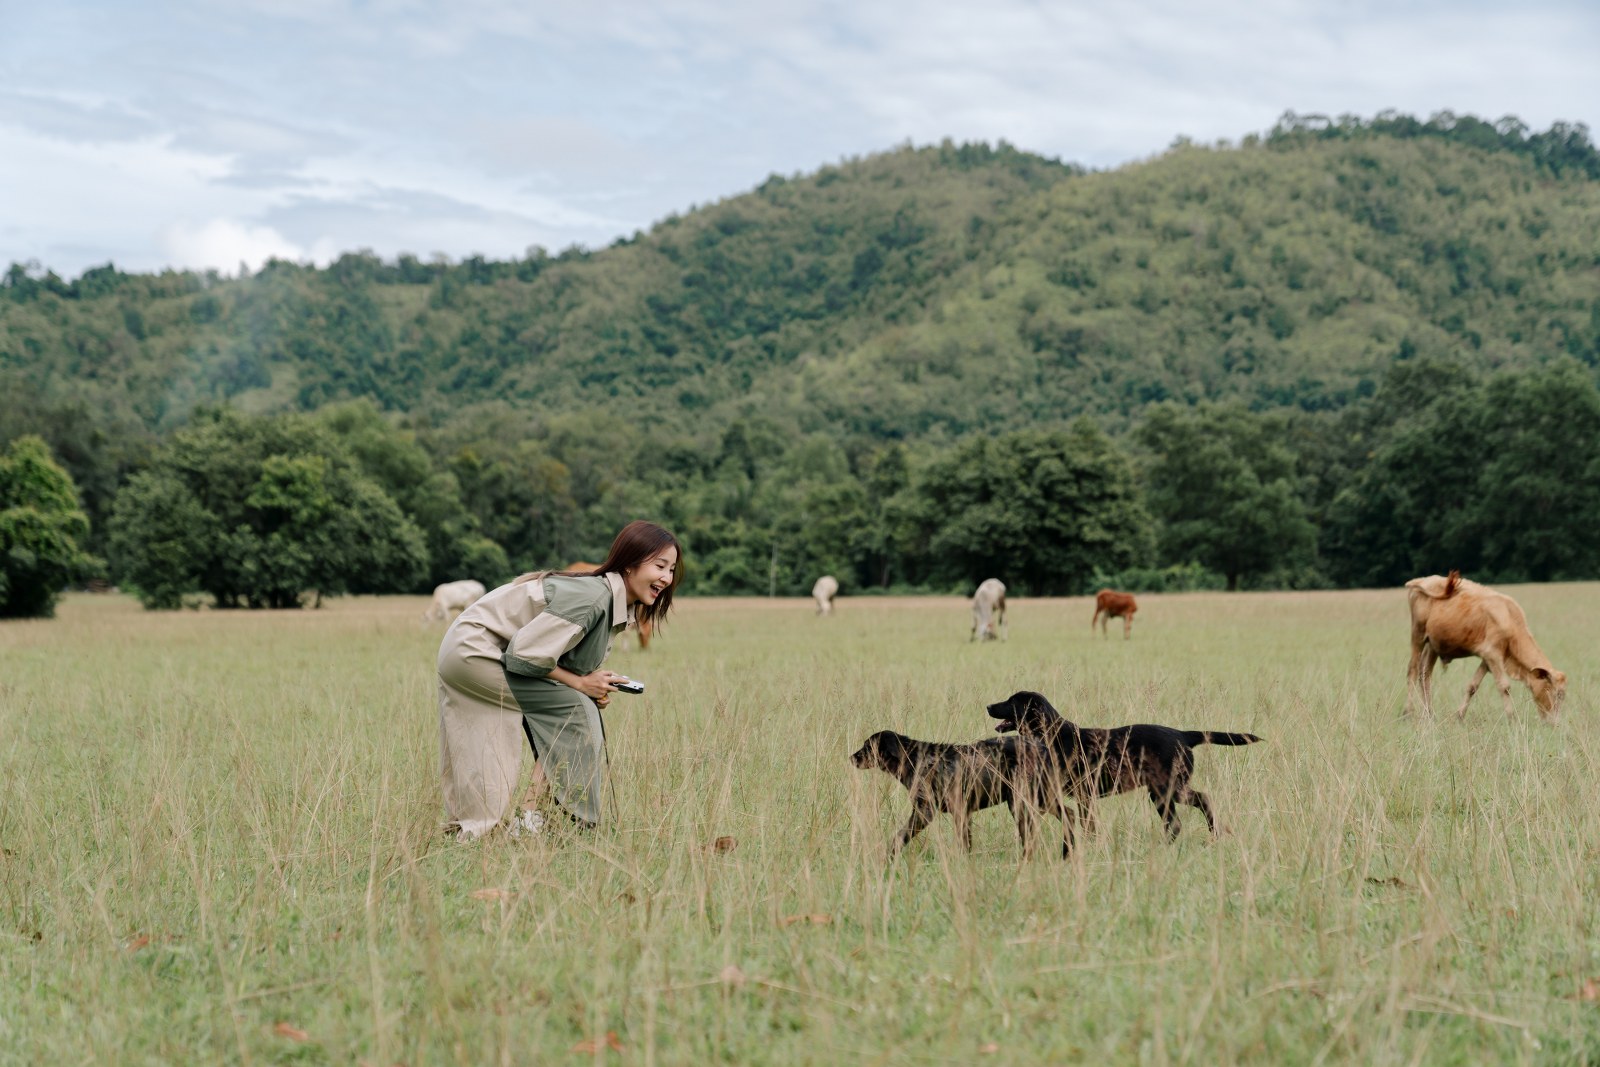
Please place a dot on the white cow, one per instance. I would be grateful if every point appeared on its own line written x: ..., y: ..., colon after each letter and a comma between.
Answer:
x: 989, y: 611
x: 823, y: 593
x: 451, y: 599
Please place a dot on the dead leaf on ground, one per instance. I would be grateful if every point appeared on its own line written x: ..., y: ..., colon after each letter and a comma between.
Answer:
x: 724, y: 843
x: 593, y: 1045
x: 138, y: 943
x: 988, y: 1050
x: 814, y: 919
x: 491, y: 894
x: 732, y: 975
x: 291, y: 1032
x: 1590, y: 991
x: 1395, y: 882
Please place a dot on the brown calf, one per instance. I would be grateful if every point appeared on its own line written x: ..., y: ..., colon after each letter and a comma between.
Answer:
x: 1452, y: 618
x: 1114, y: 605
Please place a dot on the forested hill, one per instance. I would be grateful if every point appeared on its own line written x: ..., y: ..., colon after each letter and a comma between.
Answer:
x: 920, y: 295
x: 948, y: 287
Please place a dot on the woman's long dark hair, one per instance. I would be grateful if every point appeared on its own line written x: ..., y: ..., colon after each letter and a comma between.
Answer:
x: 636, y: 542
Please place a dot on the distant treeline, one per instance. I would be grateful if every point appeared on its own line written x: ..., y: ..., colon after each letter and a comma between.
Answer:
x: 1327, y: 356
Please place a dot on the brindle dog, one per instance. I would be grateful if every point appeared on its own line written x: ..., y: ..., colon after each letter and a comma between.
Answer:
x: 962, y: 779
x: 1091, y: 762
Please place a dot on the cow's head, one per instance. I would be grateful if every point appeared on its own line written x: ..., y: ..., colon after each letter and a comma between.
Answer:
x: 1549, y: 690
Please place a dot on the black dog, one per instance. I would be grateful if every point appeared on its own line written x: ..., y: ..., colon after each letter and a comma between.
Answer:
x: 1090, y: 763
x: 962, y: 779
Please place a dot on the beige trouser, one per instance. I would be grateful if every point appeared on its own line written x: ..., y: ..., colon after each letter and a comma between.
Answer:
x: 480, y: 730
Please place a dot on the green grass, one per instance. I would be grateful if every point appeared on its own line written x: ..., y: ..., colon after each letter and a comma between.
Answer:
x: 216, y: 823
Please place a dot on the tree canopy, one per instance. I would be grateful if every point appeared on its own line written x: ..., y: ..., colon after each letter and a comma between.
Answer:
x: 1284, y: 337
x: 41, y: 530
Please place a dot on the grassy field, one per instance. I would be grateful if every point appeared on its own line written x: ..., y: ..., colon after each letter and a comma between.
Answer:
x: 221, y: 844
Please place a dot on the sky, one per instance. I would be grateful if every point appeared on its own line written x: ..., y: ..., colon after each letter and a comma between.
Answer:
x: 214, y: 134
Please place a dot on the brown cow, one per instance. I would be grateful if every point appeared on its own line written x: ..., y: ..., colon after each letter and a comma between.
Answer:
x: 644, y: 627
x: 1452, y: 618
x: 1115, y: 605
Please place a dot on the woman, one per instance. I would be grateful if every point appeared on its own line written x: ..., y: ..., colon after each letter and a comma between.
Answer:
x: 528, y: 654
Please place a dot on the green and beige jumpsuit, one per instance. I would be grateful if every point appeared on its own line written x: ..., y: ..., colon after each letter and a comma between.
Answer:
x: 494, y: 688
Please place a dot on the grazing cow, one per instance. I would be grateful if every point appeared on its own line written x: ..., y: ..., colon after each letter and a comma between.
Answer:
x: 1114, y: 605
x: 989, y: 611
x: 823, y: 593
x: 644, y: 628
x: 451, y: 599
x: 1452, y: 618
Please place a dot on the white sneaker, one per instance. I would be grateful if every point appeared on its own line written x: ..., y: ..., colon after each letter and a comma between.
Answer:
x: 528, y: 824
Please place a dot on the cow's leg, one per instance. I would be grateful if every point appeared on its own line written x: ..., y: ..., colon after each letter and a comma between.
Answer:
x: 1472, y: 688
x: 1425, y: 675
x: 1127, y: 627
x: 1414, y: 680
x: 1502, y: 681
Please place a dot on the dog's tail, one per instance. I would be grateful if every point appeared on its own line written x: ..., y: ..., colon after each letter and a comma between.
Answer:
x: 1217, y: 737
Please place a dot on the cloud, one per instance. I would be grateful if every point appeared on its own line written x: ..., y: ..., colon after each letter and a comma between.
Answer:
x: 424, y: 126
x: 66, y: 119
x: 223, y: 244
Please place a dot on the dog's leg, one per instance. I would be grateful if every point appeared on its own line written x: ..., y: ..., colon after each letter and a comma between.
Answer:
x: 1163, y: 800
x: 1023, y: 812
x: 1196, y: 799
x: 920, y: 818
x: 1086, y: 814
x: 963, y: 827
x: 1066, y: 816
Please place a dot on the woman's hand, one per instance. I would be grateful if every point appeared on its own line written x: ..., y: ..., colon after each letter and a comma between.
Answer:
x: 597, y: 686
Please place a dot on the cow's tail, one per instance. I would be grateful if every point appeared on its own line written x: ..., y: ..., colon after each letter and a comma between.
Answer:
x: 1430, y: 587
x: 1217, y: 737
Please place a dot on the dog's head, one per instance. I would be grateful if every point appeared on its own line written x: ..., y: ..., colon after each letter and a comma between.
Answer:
x: 883, y: 751
x: 1026, y: 712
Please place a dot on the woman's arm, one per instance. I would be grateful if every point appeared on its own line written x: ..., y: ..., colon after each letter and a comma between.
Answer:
x: 596, y: 685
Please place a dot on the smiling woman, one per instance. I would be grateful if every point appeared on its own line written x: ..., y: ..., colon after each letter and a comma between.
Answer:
x: 529, y: 654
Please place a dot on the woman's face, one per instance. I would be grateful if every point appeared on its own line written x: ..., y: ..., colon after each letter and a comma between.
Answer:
x: 650, y: 579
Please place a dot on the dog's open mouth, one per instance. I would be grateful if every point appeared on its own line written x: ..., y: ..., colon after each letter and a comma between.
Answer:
x: 1004, y: 725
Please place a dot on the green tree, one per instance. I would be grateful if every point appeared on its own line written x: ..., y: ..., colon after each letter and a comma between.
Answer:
x: 427, y: 494
x: 1041, y: 510
x: 41, y: 527
x: 258, y: 511
x: 1499, y: 478
x: 1222, y: 483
